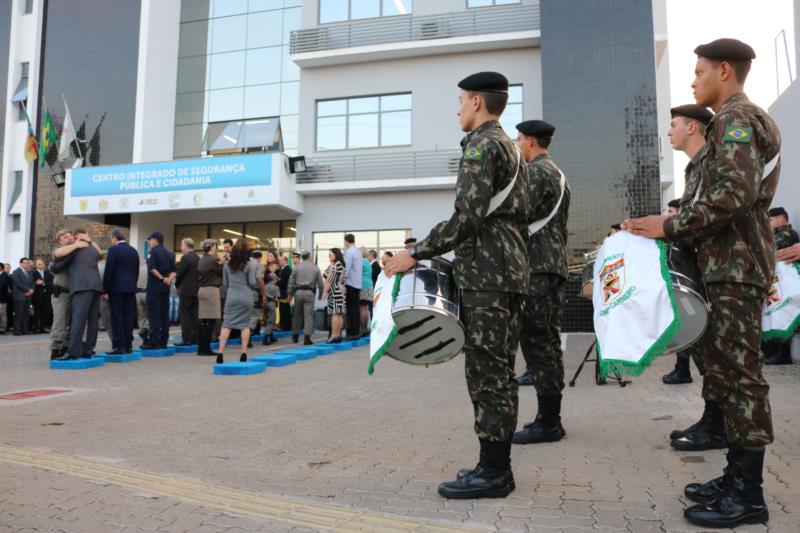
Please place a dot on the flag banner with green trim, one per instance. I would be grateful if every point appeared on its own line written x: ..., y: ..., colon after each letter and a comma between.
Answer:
x: 781, y: 315
x: 383, y: 330
x: 635, y: 314
x: 48, y: 138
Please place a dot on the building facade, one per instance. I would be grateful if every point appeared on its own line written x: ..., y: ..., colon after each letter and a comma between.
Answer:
x: 193, y: 110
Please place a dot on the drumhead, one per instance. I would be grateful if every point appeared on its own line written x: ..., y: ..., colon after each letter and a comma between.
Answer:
x: 426, y: 336
x: 694, y: 317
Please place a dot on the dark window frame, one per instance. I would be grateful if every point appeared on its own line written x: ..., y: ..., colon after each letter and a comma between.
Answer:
x: 347, y: 115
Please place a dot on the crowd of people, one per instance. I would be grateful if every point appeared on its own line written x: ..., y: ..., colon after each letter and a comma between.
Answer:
x: 235, y: 291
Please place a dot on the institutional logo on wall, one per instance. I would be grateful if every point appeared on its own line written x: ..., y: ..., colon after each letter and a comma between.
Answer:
x: 123, y: 203
x: 251, y: 193
x: 612, y: 280
x: 83, y: 204
x: 775, y: 294
x: 198, y: 200
x: 174, y: 199
x: 103, y: 204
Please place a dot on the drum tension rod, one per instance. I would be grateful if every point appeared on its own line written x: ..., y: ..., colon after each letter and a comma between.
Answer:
x: 435, y: 348
x: 415, y: 325
x: 421, y: 338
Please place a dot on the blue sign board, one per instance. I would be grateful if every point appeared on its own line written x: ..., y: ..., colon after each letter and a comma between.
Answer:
x: 182, y: 175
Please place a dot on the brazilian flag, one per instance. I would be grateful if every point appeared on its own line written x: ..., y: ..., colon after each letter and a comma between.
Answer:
x: 48, y: 138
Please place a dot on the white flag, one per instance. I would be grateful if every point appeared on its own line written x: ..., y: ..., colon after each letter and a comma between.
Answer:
x: 67, y: 135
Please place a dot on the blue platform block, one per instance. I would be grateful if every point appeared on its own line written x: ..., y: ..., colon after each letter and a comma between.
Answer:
x: 282, y: 334
x: 276, y: 359
x: 240, y: 369
x: 361, y: 342
x: 77, y: 364
x: 121, y: 358
x: 234, y: 342
x: 163, y: 352
x: 302, y: 354
x: 257, y: 338
x: 339, y: 346
x: 322, y: 350
x: 192, y: 348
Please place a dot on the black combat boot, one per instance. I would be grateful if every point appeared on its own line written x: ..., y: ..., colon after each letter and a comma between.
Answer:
x: 546, y: 427
x: 678, y: 433
x: 708, y: 435
x: 204, y: 331
x: 742, y: 498
x: 492, y: 478
x: 307, y: 340
x: 680, y: 374
x: 525, y: 379
x: 777, y: 353
x: 708, y: 492
x: 55, y: 354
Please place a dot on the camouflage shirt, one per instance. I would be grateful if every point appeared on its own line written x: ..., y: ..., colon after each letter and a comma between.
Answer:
x: 785, y: 236
x: 547, y: 248
x: 728, y: 223
x: 490, y: 250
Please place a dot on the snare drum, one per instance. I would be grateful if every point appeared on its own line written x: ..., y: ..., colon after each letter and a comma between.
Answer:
x: 426, y: 315
x: 690, y: 298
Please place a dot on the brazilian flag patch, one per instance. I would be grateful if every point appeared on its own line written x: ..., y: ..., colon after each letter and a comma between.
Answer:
x: 474, y: 153
x: 738, y: 134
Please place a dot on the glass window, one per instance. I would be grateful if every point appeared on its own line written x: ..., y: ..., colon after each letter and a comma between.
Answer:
x: 264, y: 5
x: 224, y: 8
x: 16, y: 223
x: 332, y: 133
x: 291, y: 22
x: 264, y: 234
x: 289, y: 128
x: 193, y: 39
x: 362, y: 131
x: 341, y: 10
x: 262, y: 100
x: 220, y: 232
x: 263, y: 66
x: 290, y: 96
x: 28, y: 7
x: 189, y: 108
x: 225, y: 104
x: 228, y: 34
x: 291, y: 72
x: 513, y: 113
x: 264, y: 29
x: 194, y: 10
x: 197, y: 232
x: 380, y: 241
x: 188, y: 140
x: 371, y: 121
x: 365, y: 9
x: 192, y: 73
x: 485, y: 3
x: 227, y: 70
x: 24, y: 70
x: 17, y: 192
x: 333, y: 10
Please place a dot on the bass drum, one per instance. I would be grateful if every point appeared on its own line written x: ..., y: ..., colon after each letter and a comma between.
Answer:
x: 426, y: 315
x: 690, y: 298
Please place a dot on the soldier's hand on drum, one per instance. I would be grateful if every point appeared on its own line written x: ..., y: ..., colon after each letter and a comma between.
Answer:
x: 790, y: 254
x: 401, y: 262
x: 650, y: 226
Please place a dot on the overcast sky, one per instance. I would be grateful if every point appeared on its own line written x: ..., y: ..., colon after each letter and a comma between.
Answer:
x: 691, y: 22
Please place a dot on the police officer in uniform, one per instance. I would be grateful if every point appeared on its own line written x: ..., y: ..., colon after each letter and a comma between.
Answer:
x: 729, y: 226
x: 161, y: 272
x: 487, y: 232
x: 541, y: 324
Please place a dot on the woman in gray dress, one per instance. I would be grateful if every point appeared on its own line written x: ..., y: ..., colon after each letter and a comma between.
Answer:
x: 238, y: 281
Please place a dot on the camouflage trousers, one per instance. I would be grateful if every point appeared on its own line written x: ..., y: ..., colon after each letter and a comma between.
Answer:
x: 731, y: 348
x: 492, y: 324
x: 541, y: 333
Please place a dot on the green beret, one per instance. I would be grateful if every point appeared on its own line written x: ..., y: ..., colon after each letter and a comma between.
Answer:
x: 486, y: 82
x: 693, y: 111
x: 536, y: 128
x: 726, y: 50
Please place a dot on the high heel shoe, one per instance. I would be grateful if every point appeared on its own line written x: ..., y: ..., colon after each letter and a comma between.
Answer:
x: 243, y: 358
x: 219, y: 359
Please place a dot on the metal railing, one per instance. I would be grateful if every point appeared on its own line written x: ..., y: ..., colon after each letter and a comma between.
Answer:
x: 415, y: 28
x: 398, y: 165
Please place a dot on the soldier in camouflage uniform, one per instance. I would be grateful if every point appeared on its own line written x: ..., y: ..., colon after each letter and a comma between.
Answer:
x: 541, y: 323
x: 487, y: 233
x: 729, y: 226
x: 779, y: 352
x: 687, y: 133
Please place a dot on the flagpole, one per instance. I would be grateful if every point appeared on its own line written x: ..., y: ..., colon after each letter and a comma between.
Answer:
x: 66, y: 112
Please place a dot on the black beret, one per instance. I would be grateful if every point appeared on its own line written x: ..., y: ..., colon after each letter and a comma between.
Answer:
x: 778, y: 211
x: 692, y: 111
x: 536, y: 128
x: 487, y: 82
x: 675, y: 204
x: 726, y: 50
x: 410, y: 240
x: 616, y: 226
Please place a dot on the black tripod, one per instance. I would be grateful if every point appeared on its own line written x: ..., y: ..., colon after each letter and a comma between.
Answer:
x: 597, y: 379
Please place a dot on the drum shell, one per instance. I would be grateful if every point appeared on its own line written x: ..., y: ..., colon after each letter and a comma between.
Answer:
x: 426, y: 313
x: 690, y: 298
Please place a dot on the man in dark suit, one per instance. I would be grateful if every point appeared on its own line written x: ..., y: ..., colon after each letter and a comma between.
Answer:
x: 188, y: 285
x: 22, y: 291
x: 5, y: 299
x: 42, y: 290
x: 161, y: 272
x: 85, y: 286
x: 119, y: 285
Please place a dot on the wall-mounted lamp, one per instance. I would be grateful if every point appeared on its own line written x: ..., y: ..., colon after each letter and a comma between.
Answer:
x: 297, y: 164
